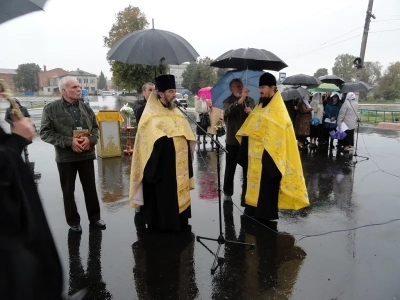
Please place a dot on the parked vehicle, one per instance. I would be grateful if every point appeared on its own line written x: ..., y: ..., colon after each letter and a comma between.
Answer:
x: 181, y: 100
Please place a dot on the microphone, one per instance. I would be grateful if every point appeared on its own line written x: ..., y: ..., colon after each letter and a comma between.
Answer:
x: 178, y: 104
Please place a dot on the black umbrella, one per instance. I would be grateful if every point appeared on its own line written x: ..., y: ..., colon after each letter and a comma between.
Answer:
x: 301, y: 79
x: 332, y: 79
x: 152, y: 47
x: 10, y: 9
x: 295, y: 93
x: 359, y: 86
x: 249, y: 58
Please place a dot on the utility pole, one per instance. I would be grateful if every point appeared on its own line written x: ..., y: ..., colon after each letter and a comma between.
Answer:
x: 365, y: 34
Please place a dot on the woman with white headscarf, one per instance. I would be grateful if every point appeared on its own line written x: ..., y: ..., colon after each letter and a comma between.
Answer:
x: 316, y: 121
x: 348, y: 115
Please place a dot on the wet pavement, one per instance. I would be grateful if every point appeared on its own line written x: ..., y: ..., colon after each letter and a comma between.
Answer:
x: 121, y: 263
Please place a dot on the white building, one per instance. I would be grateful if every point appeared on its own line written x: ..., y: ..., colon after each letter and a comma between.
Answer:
x: 86, y: 80
x: 177, y: 71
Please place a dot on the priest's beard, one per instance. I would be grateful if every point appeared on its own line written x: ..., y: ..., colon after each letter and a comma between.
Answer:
x: 170, y: 104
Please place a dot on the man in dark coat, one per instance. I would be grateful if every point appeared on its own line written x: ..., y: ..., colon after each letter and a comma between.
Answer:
x: 30, y: 268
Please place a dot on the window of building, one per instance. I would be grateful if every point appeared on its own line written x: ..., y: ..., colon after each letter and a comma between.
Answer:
x: 49, y: 90
x: 85, y: 80
x: 91, y: 80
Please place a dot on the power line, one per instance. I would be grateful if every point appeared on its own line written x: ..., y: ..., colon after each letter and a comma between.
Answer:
x: 353, y: 37
x: 396, y: 29
x: 343, y: 35
x: 386, y: 20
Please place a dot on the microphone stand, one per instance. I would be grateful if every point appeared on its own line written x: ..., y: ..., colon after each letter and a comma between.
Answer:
x: 355, y: 149
x: 218, y: 261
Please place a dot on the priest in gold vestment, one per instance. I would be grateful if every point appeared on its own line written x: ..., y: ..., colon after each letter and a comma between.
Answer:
x: 161, y: 172
x: 273, y: 174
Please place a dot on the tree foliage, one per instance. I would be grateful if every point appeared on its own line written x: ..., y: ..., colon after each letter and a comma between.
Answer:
x: 343, y: 67
x: 27, y: 77
x: 371, y: 73
x: 389, y: 83
x: 199, y: 74
x: 102, y: 82
x: 127, y: 76
x: 321, y: 72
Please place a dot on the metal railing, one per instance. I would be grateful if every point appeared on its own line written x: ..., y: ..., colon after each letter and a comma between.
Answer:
x: 377, y: 116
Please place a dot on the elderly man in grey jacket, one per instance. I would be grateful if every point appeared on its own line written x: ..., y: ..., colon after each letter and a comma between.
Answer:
x: 236, y: 109
x: 61, y: 120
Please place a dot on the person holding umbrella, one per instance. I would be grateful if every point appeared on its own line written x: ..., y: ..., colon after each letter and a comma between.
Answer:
x: 139, y: 105
x: 273, y: 174
x: 236, y: 109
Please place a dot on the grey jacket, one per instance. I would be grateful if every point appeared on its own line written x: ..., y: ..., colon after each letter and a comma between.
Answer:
x: 348, y: 114
x: 57, y: 129
x: 234, y: 117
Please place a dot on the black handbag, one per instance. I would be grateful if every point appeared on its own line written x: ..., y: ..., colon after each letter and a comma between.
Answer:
x: 205, y: 120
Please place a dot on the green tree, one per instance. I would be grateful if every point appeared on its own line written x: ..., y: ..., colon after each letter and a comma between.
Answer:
x: 199, y: 74
x: 221, y: 73
x: 102, y: 82
x: 389, y: 84
x: 321, y: 72
x: 208, y: 74
x: 371, y: 73
x: 127, y: 76
x: 27, y: 77
x: 191, y: 78
x: 343, y: 67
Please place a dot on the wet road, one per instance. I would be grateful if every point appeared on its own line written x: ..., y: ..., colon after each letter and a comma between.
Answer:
x: 120, y: 263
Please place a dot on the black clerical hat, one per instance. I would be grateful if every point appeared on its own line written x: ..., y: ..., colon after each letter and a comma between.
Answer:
x: 165, y: 82
x: 267, y: 79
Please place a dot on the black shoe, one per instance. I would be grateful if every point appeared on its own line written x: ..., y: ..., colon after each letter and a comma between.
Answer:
x: 98, y: 224
x: 76, y: 228
x: 227, y: 198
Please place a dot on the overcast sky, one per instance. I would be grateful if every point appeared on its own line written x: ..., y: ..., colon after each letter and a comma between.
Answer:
x: 69, y: 34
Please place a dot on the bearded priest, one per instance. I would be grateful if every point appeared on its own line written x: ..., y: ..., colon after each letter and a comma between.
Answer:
x: 162, y: 172
x: 273, y: 174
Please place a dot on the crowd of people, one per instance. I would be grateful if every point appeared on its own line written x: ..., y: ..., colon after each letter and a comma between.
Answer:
x: 318, y: 119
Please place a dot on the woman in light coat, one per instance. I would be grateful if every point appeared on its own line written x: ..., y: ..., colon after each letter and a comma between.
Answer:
x: 216, y: 115
x: 202, y: 107
x: 348, y: 115
x: 318, y: 113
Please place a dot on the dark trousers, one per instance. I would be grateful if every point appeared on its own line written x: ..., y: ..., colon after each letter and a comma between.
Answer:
x: 348, y: 140
x: 230, y: 168
x: 68, y: 171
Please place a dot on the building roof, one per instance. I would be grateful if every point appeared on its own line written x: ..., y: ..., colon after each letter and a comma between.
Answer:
x: 79, y: 73
x: 44, y: 76
x: 8, y: 71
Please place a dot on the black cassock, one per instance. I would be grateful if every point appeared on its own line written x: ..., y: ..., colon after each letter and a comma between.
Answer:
x: 160, y: 210
x: 267, y: 206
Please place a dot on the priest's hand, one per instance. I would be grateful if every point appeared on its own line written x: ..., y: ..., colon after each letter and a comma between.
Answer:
x: 76, y: 145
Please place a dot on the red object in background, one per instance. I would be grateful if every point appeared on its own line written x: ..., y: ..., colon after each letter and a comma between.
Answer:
x: 206, y: 91
x: 128, y: 150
